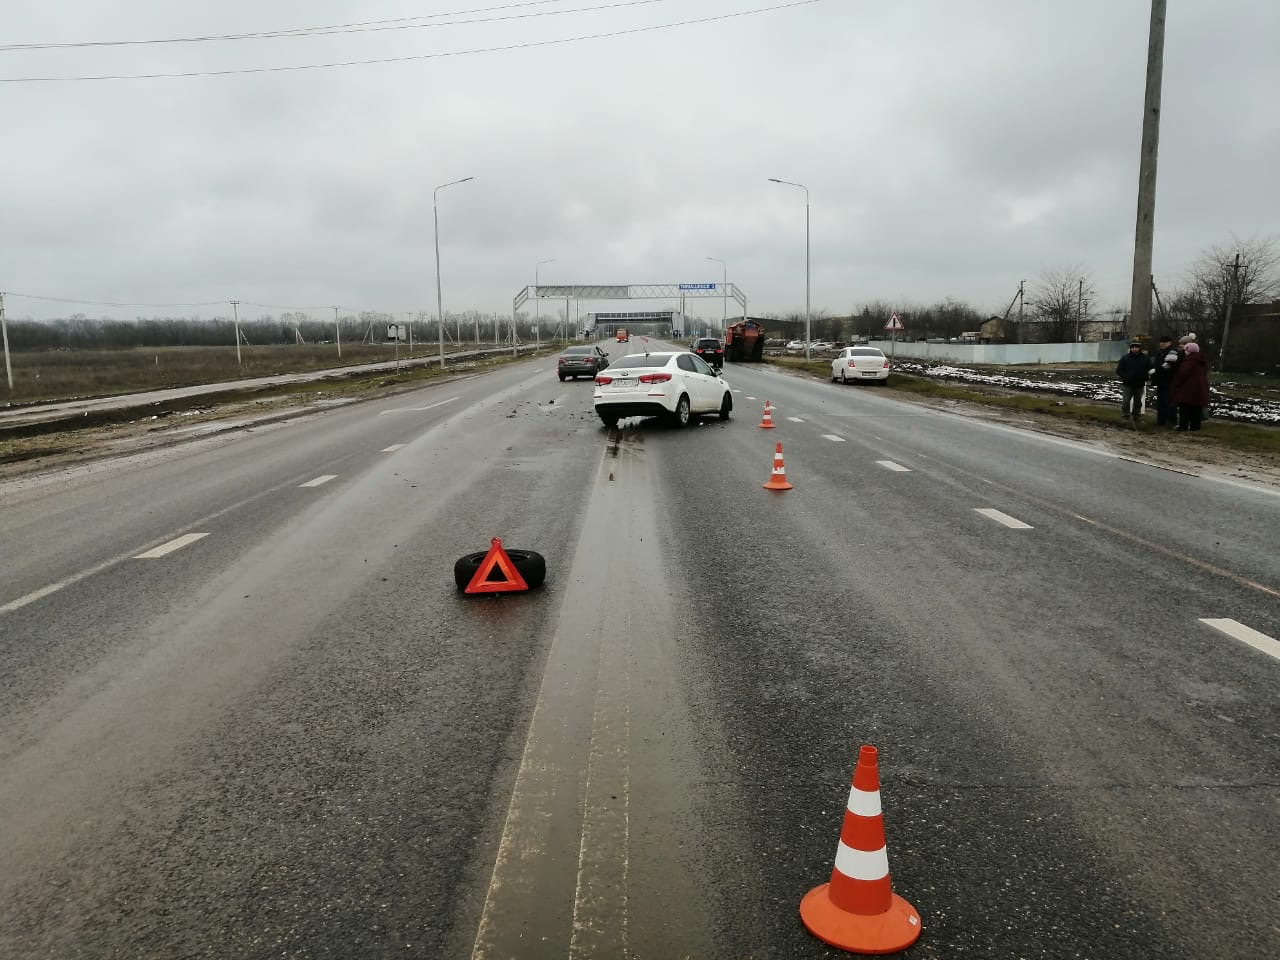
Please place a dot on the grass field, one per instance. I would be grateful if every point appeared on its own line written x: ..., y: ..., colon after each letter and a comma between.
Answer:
x: 75, y: 374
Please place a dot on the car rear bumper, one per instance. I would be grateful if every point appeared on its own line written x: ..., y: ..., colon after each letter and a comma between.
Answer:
x: 578, y: 370
x: 632, y: 408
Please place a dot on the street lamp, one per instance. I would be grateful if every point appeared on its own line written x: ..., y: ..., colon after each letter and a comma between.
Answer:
x: 435, y: 205
x: 724, y: 295
x: 537, y: 301
x: 808, y: 316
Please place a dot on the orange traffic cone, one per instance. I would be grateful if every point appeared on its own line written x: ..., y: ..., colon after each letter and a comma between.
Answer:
x: 767, y: 422
x: 778, y: 478
x: 858, y: 911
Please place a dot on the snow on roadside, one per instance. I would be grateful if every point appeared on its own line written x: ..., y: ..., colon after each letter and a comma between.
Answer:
x: 1224, y: 407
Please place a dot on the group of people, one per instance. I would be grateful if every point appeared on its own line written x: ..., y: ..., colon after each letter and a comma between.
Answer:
x: 1180, y: 374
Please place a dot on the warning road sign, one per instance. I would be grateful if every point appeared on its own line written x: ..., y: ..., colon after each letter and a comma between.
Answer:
x: 894, y: 323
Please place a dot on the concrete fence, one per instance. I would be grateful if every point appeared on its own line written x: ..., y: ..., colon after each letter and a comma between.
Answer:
x: 1000, y: 354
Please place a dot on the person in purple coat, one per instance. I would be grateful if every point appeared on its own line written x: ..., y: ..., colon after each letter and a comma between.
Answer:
x: 1190, y: 390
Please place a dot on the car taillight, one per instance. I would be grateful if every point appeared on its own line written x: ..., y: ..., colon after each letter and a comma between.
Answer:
x: 562, y: 359
x: 886, y: 363
x: 655, y: 377
x: 604, y: 378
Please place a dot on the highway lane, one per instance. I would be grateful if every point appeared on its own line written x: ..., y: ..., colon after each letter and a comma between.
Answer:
x: 1063, y: 723
x: 293, y: 738
x: 282, y: 737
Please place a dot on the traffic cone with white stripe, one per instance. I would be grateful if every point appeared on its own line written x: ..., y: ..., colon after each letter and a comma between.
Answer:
x: 858, y: 910
x: 778, y: 478
x: 767, y: 422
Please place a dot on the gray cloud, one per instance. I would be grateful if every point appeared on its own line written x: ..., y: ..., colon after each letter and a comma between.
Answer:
x: 951, y: 149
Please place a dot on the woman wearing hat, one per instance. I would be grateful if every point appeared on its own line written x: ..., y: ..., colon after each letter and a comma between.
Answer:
x: 1191, y: 387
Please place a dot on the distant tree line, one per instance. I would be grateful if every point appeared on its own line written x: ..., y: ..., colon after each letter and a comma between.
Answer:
x: 80, y: 332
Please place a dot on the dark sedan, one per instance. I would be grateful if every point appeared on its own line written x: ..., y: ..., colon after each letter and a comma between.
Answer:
x: 710, y: 349
x: 584, y: 361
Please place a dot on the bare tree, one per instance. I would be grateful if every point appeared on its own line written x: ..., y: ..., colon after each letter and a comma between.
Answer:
x: 1214, y: 281
x: 1057, y: 303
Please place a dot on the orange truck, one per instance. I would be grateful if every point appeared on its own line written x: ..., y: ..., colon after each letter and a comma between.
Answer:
x: 623, y: 336
x: 744, y: 342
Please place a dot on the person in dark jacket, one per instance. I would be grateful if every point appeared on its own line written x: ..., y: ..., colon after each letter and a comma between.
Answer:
x: 1132, y: 371
x: 1190, y: 389
x: 1164, y: 361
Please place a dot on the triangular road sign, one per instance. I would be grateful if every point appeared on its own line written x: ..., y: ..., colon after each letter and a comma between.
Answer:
x: 894, y: 323
x: 510, y: 580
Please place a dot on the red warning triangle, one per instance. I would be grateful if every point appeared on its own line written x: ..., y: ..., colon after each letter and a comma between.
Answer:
x: 510, y: 579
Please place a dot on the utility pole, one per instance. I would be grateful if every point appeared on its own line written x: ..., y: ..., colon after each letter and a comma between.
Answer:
x: 1140, y: 297
x: 1079, y: 308
x: 337, y: 332
x: 4, y: 331
x: 1232, y: 296
x: 1022, y: 288
x: 235, y: 307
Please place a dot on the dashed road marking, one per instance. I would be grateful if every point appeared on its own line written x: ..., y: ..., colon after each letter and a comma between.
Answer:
x: 325, y: 478
x: 1012, y: 523
x: 177, y: 543
x: 394, y: 447
x: 1238, y: 631
x: 383, y: 413
x: 795, y: 419
x: 833, y: 438
x: 896, y: 467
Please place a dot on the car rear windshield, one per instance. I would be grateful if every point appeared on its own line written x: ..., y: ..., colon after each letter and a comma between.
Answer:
x: 713, y: 344
x: 644, y: 360
x: 578, y: 350
x: 865, y: 352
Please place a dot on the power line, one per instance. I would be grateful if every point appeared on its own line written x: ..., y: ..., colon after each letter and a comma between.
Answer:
x: 368, y: 26
x: 111, y: 303
x: 424, y: 56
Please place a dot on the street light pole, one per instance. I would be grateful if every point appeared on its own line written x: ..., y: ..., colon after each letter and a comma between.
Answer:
x: 435, y: 205
x: 724, y: 295
x: 808, y: 314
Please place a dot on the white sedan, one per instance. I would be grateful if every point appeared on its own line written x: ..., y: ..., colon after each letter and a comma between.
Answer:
x: 860, y: 363
x: 677, y: 386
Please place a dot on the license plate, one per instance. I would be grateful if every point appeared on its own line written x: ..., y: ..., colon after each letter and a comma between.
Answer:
x: 623, y: 383
x: 871, y: 373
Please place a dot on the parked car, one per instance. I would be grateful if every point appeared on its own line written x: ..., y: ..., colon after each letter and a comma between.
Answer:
x: 582, y: 361
x: 677, y: 386
x: 860, y: 363
x: 710, y: 349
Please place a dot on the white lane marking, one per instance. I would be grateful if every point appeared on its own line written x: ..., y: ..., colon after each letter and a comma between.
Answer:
x: 383, y: 413
x: 750, y: 398
x: 896, y: 467
x: 833, y: 438
x: 325, y: 478
x: 394, y: 447
x: 177, y: 543
x: 1238, y: 631
x: 795, y: 419
x: 1012, y: 522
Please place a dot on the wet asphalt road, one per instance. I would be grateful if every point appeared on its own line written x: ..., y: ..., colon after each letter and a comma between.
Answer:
x: 293, y: 738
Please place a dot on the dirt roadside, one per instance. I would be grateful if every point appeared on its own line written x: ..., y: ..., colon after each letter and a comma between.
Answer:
x: 1194, y: 454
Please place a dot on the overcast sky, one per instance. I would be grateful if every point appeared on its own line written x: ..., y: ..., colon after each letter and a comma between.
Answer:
x: 951, y: 148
